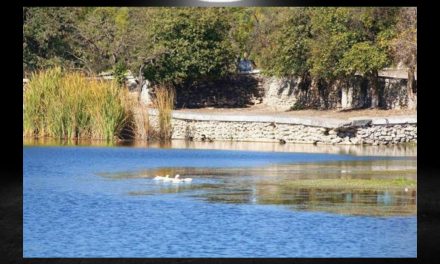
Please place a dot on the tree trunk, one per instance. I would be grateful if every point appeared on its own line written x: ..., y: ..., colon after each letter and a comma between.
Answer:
x: 374, y: 84
x: 323, y: 91
x: 412, y: 102
x: 313, y: 98
x: 346, y: 95
x: 140, y: 81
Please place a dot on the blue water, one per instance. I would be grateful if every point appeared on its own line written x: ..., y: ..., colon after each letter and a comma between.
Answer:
x: 71, y: 211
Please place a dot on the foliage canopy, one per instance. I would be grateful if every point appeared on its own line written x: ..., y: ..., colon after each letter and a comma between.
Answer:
x: 180, y: 46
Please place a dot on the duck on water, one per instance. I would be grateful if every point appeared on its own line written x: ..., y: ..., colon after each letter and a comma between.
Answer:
x: 176, y: 179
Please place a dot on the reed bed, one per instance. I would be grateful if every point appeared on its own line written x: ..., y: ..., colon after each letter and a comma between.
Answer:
x: 140, y: 124
x: 70, y: 105
x: 163, y: 101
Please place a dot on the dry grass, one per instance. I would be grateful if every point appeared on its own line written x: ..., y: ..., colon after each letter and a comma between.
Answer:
x: 164, y: 103
x: 141, y: 119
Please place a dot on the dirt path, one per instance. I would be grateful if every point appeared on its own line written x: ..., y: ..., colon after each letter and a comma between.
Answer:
x: 261, y: 109
x: 337, y: 114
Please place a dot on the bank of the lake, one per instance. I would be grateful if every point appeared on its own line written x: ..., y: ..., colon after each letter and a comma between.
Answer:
x: 80, y: 107
x: 290, y: 129
x: 397, y: 150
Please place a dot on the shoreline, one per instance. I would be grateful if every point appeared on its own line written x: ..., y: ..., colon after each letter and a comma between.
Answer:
x: 397, y: 150
x: 285, y: 118
x: 356, y: 130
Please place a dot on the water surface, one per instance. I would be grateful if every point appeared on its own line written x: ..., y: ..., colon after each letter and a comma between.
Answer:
x: 92, y: 201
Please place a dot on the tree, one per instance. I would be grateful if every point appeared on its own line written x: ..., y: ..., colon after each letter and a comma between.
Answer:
x: 100, y: 39
x: 404, y: 48
x: 181, y: 46
x: 347, y: 41
x: 190, y: 45
x: 94, y: 39
x: 332, y: 36
x: 290, y: 44
x: 242, y: 29
x: 371, y: 53
x: 367, y: 59
x: 44, y: 38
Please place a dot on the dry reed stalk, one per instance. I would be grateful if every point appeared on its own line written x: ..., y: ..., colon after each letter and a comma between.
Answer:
x: 163, y: 101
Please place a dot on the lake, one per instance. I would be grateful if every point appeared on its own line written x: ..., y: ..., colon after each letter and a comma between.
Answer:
x: 97, y: 200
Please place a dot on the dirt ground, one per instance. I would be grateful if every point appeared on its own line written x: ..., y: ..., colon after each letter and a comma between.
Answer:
x: 262, y: 109
x: 339, y: 114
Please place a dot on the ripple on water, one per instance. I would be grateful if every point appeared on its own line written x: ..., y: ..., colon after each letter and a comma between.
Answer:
x: 110, y: 207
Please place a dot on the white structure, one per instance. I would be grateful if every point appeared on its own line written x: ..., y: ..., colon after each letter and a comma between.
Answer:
x: 347, y: 97
x: 145, y: 93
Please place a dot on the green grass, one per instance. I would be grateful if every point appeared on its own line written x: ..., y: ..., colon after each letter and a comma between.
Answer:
x: 70, y: 105
x: 353, y: 183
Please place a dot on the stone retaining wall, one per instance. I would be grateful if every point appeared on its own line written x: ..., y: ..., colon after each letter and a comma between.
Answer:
x: 378, y: 131
x: 284, y: 93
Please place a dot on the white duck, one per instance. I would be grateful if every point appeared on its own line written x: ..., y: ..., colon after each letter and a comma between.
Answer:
x: 178, y: 180
x: 158, y: 178
x: 187, y: 180
x: 167, y: 178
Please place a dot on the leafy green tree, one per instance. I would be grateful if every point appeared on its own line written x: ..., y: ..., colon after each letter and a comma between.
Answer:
x: 367, y: 59
x: 349, y: 41
x: 180, y: 46
x: 44, y: 38
x: 332, y: 36
x: 404, y: 48
x: 371, y: 54
x: 242, y: 29
x: 94, y: 39
x: 190, y: 45
x: 290, y: 44
x: 100, y: 41
x: 251, y: 32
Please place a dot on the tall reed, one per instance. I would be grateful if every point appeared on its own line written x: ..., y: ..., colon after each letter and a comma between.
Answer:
x: 70, y: 105
x: 108, y: 112
x: 140, y: 124
x: 163, y: 101
x: 38, y: 97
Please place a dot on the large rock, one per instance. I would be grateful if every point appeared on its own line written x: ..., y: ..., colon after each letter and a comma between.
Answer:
x: 361, y: 122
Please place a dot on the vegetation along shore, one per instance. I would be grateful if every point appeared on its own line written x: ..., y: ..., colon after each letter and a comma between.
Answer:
x: 96, y: 72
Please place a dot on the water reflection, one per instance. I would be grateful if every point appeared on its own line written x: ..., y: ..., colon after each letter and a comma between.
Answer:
x: 277, y: 184
x: 362, y: 169
x: 391, y: 150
